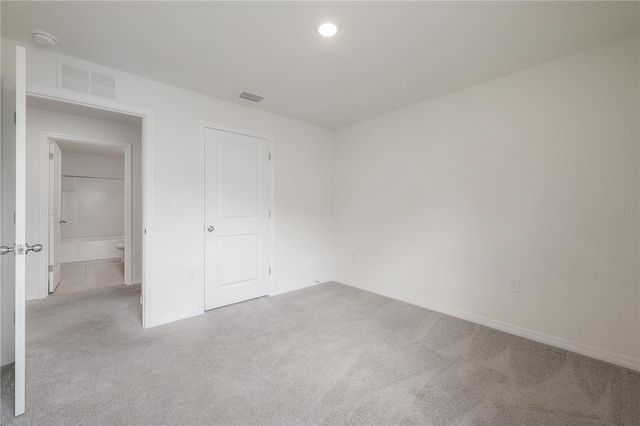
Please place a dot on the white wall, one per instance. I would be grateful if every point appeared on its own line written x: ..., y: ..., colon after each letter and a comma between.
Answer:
x: 442, y: 202
x: 38, y: 121
x: 89, y: 165
x: 93, y: 195
x: 92, y: 207
x: 302, y: 186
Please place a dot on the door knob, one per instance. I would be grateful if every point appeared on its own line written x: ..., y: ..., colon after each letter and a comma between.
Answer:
x: 34, y: 248
x: 5, y: 250
x: 63, y: 221
x: 210, y: 228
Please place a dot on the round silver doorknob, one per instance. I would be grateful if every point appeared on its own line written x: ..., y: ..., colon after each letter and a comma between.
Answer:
x: 35, y: 248
x: 210, y: 228
x: 5, y: 250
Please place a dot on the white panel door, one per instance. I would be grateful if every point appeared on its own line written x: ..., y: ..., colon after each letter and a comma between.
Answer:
x: 55, y: 214
x: 15, y: 246
x: 237, y: 232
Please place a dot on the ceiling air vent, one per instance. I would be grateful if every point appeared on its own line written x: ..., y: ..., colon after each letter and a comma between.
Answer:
x: 251, y: 96
x: 86, y: 81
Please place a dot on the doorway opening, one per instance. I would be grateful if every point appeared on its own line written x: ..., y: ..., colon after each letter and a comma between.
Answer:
x: 90, y: 199
x: 90, y: 215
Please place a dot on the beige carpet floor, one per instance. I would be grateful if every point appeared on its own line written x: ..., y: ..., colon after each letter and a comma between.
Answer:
x: 329, y: 354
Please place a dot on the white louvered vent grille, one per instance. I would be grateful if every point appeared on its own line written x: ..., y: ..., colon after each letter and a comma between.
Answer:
x: 87, y: 81
x: 103, y: 85
x: 75, y: 78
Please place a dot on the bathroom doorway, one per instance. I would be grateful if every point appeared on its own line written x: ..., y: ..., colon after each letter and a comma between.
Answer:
x: 89, y: 216
x: 90, y: 198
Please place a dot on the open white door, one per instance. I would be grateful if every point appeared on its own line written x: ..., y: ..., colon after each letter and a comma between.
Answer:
x: 15, y: 247
x: 55, y: 214
x: 8, y: 228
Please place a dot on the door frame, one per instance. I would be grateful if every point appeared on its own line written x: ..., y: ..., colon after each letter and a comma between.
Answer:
x: 51, y: 235
x: 147, y: 169
x: 201, y: 202
x: 46, y: 138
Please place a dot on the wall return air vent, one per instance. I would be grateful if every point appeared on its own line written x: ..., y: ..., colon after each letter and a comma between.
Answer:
x: 251, y: 96
x: 86, y: 81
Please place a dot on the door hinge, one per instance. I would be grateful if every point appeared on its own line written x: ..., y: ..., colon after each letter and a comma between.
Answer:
x: 50, y: 268
x: 269, y: 270
x: 15, y: 117
x: 269, y: 156
x: 269, y: 213
x: 51, y: 156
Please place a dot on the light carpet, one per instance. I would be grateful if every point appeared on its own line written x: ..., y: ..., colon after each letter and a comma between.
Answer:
x: 329, y: 354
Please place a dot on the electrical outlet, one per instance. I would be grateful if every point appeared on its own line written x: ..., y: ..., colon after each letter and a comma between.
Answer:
x: 175, y: 208
x: 514, y: 285
x: 191, y: 274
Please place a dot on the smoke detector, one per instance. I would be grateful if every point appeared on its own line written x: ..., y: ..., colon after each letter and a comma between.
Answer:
x: 45, y: 38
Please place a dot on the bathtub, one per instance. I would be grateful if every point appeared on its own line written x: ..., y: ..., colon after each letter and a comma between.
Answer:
x: 81, y: 249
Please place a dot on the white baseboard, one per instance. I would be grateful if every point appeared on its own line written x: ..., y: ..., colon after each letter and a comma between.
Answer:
x: 172, y: 318
x: 569, y: 345
x: 192, y: 313
x: 301, y: 286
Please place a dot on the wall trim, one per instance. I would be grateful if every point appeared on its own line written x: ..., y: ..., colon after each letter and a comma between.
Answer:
x: 559, y: 342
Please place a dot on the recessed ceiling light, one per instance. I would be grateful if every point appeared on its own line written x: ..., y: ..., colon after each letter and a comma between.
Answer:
x: 45, y: 38
x: 327, y: 29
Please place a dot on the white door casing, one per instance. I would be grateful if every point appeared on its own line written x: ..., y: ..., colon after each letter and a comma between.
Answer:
x: 55, y: 214
x: 237, y: 242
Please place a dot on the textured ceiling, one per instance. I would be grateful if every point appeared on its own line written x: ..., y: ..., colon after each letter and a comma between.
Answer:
x: 388, y: 55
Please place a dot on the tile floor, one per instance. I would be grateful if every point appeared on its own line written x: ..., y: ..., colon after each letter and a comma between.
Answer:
x: 79, y: 276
